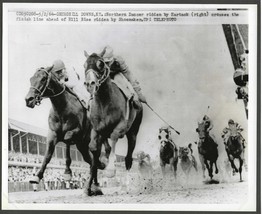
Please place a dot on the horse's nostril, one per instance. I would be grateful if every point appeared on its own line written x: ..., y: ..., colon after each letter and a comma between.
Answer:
x: 29, y: 99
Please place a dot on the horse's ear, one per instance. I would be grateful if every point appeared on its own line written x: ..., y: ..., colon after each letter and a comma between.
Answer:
x: 102, y: 53
x: 86, y: 54
x: 49, y: 68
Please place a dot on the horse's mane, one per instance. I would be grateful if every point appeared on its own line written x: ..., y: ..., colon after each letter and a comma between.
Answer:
x: 69, y: 90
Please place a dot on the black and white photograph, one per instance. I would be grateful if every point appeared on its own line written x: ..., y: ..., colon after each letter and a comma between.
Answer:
x: 129, y: 107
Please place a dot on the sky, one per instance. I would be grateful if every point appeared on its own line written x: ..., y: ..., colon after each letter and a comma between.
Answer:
x: 182, y: 70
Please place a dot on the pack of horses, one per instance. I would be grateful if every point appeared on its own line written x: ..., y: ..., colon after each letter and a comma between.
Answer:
x: 70, y: 122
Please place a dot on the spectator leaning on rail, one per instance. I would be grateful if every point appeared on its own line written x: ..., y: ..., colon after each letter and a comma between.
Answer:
x: 117, y: 64
x: 71, y: 80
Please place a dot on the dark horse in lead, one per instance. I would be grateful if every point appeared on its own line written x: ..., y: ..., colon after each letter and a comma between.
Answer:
x: 207, y: 149
x: 68, y: 121
x: 112, y: 115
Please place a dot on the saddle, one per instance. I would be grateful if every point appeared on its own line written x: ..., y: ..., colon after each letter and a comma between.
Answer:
x: 127, y: 89
x: 125, y: 86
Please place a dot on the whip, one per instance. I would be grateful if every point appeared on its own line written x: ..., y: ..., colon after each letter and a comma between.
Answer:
x: 162, y: 118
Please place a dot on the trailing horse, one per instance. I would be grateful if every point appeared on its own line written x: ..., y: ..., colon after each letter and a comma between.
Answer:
x: 112, y: 114
x: 187, y: 159
x: 235, y: 150
x: 68, y: 121
x: 168, y: 151
x: 207, y: 149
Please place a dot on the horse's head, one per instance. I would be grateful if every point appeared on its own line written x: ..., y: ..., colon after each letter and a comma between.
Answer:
x: 96, y: 71
x: 183, y: 152
x: 41, y: 87
x: 202, y: 131
x: 164, y: 136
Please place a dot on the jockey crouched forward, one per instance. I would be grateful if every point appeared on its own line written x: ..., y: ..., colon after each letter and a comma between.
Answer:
x: 233, y: 130
x: 209, y: 126
x: 71, y: 80
x: 118, y: 65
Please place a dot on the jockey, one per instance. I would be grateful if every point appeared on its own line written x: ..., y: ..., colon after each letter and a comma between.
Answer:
x: 167, y: 135
x: 71, y: 80
x: 233, y: 129
x: 117, y: 64
x: 208, y: 123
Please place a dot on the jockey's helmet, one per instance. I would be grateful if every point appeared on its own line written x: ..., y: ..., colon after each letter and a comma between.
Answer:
x: 108, y: 55
x: 58, y: 65
x: 205, y: 117
x: 230, y: 121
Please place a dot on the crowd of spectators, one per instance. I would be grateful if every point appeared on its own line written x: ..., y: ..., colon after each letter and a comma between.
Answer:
x: 53, y: 178
x: 38, y: 159
x: 20, y: 169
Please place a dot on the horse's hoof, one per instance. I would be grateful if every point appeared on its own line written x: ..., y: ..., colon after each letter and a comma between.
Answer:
x: 67, y: 177
x: 101, y: 165
x: 90, y: 192
x: 34, y: 180
x: 94, y: 191
x: 128, y: 163
x: 110, y: 173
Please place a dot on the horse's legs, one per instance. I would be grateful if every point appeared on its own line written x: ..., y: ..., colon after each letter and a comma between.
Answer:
x: 68, y: 172
x: 162, y: 164
x: 118, y: 131
x: 51, y: 142
x: 208, y: 168
x: 93, y: 140
x: 240, y: 168
x: 83, y: 148
x: 194, y: 163
x: 211, y: 163
x: 131, y: 137
x: 175, y: 162
x: 201, y: 158
x: 110, y: 169
x: 216, y: 167
x: 131, y: 146
x: 107, y: 148
x: 231, y: 159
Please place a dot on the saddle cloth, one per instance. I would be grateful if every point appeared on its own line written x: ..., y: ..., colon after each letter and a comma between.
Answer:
x: 125, y: 86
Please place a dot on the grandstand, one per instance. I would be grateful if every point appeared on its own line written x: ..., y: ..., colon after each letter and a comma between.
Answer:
x: 27, y: 146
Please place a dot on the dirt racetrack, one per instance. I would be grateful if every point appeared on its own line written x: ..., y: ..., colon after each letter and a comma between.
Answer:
x: 144, y: 191
x: 223, y: 193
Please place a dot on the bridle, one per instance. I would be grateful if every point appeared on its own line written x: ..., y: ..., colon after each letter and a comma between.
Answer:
x: 100, y: 78
x: 40, y: 96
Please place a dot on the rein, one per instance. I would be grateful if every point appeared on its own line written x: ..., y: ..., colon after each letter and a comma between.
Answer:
x: 41, y: 93
x: 106, y: 73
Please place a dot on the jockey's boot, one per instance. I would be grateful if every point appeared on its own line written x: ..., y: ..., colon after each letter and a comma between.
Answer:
x: 134, y: 102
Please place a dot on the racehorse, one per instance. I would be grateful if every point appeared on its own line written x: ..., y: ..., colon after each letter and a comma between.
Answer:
x: 207, y: 149
x: 68, y: 122
x: 168, y: 151
x: 111, y: 114
x: 144, y: 164
x: 235, y: 150
x: 187, y: 159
